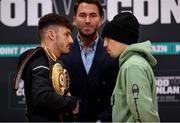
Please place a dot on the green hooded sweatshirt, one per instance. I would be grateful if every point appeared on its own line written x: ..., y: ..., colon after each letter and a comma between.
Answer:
x: 134, y: 98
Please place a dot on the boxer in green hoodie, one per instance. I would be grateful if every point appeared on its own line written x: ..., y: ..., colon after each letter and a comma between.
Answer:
x: 134, y: 98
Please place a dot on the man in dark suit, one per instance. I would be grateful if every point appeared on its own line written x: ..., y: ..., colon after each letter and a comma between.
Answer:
x: 92, y: 72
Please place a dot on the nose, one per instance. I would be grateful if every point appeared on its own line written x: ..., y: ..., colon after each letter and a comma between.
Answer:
x: 105, y: 43
x: 71, y: 40
x: 88, y: 19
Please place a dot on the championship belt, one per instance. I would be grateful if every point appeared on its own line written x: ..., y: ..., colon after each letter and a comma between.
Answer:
x: 60, y: 79
x: 60, y: 76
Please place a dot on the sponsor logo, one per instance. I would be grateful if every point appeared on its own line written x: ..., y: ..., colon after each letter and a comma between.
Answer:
x: 147, y: 11
x: 16, y: 98
x: 14, y: 13
x: 166, y: 48
x: 14, y: 50
x: 168, y: 89
x: 159, y: 48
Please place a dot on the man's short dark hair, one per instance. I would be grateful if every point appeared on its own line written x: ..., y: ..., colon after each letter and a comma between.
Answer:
x: 52, y: 19
x: 96, y: 2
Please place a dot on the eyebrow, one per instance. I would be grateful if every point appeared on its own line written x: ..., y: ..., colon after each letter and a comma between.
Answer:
x: 67, y: 31
x: 88, y: 13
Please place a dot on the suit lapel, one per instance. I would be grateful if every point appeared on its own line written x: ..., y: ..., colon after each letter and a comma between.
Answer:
x: 98, y: 59
x: 77, y: 60
x: 98, y: 62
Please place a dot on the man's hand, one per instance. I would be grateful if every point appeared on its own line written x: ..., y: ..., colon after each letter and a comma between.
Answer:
x: 76, y: 110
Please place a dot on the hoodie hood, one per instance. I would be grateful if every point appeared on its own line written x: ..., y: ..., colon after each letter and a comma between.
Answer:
x: 144, y: 49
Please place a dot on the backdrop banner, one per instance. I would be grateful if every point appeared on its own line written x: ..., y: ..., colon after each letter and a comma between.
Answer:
x: 159, y: 22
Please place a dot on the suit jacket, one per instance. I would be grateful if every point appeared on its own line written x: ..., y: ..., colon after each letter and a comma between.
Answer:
x: 94, y: 89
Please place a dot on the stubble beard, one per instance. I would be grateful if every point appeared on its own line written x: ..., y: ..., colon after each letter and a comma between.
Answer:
x: 88, y: 35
